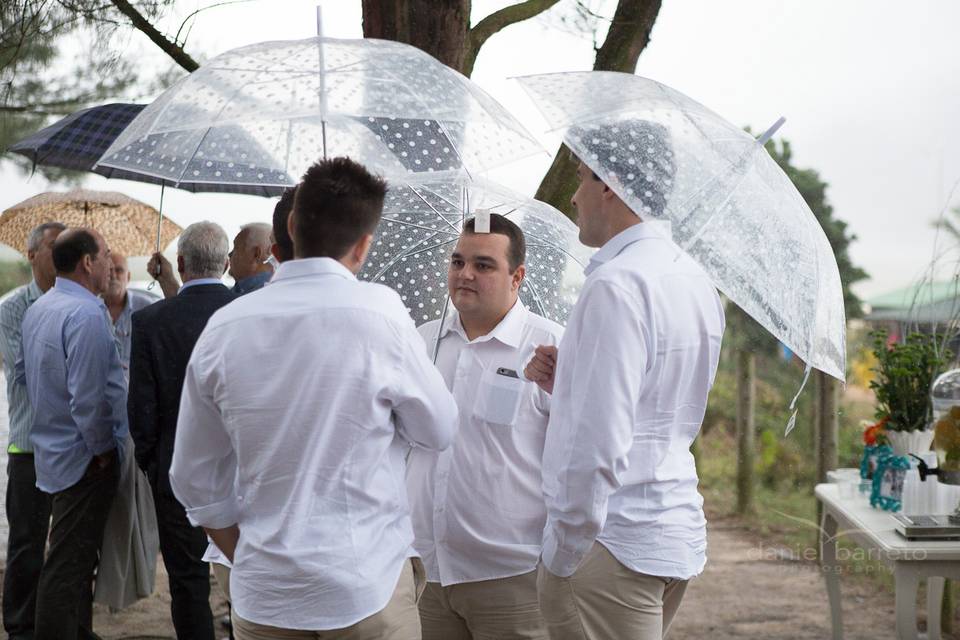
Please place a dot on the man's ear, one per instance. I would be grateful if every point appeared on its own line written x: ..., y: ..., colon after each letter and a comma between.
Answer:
x: 87, y: 262
x: 362, y: 248
x: 518, y: 276
x: 180, y: 265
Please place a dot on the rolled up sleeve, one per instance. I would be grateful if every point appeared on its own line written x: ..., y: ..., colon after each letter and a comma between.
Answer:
x: 204, y: 465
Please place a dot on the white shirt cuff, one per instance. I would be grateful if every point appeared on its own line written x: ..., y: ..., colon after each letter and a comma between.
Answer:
x: 218, y: 515
x: 559, y: 562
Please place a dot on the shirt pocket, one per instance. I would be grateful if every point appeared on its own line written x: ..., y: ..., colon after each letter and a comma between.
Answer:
x: 498, y: 398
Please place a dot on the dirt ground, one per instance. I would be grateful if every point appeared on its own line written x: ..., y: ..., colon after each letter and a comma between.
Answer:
x: 749, y: 590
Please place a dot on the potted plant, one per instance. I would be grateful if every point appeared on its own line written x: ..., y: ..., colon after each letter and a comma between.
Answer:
x: 904, y: 374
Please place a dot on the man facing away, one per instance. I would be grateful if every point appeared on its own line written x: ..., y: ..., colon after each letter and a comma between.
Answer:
x: 122, y: 303
x: 248, y: 258
x: 625, y: 527
x: 28, y: 508
x: 290, y: 440
x: 282, y: 244
x: 477, y: 507
x: 164, y: 335
x: 75, y: 384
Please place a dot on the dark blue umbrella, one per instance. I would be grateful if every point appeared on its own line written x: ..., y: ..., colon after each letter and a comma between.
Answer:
x: 78, y: 140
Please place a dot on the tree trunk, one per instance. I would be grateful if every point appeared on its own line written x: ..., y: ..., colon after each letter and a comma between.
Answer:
x: 746, y: 429
x: 438, y: 27
x: 629, y: 34
x: 827, y: 424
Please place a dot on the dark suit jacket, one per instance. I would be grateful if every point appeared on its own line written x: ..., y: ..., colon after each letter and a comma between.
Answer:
x: 162, y: 340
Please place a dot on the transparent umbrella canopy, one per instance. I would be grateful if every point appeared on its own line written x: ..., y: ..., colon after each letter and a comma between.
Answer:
x: 260, y: 115
x: 729, y: 205
x: 422, y: 221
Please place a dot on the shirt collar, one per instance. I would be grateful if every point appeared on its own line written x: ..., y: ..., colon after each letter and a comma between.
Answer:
x: 70, y: 287
x: 33, y: 291
x: 509, y: 331
x: 197, y: 281
x: 253, y: 282
x: 305, y: 267
x: 654, y: 230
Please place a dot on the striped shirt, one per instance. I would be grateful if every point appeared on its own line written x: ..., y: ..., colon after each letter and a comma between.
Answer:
x: 11, y: 317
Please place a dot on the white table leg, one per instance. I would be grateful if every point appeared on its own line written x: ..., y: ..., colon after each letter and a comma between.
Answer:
x: 906, y: 583
x: 831, y: 571
x: 934, y: 602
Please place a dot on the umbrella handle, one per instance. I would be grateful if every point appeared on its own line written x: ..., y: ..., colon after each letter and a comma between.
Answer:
x: 159, y: 269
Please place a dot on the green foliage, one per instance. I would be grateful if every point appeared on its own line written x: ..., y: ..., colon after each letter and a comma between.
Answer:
x: 56, y: 58
x: 14, y: 274
x: 905, y: 372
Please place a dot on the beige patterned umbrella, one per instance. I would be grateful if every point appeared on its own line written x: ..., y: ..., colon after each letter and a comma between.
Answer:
x: 129, y: 226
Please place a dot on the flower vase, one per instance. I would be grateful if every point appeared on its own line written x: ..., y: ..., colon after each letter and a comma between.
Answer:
x: 904, y: 443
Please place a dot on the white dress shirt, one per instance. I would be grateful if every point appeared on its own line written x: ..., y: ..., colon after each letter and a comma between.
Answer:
x: 634, y: 370
x: 477, y: 507
x: 297, y: 403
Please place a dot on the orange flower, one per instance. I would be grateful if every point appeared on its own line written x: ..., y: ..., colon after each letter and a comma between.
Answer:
x: 875, y: 434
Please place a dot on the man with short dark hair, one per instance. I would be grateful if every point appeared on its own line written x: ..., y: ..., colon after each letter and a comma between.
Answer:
x: 28, y: 508
x: 163, y: 338
x: 75, y: 384
x: 282, y: 247
x: 477, y: 507
x: 249, y: 266
x: 318, y: 431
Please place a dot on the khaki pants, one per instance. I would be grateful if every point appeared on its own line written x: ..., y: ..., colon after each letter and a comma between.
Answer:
x: 397, y: 621
x: 501, y: 609
x: 222, y: 574
x: 603, y: 600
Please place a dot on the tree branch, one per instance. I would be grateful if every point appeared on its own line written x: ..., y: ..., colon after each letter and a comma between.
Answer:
x: 497, y: 21
x: 628, y: 35
x: 173, y: 50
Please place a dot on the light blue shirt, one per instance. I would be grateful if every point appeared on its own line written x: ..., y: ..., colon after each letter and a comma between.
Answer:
x: 123, y: 327
x: 71, y: 368
x: 252, y: 283
x: 19, y: 410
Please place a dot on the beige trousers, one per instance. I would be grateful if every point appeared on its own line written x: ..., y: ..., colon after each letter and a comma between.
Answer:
x: 603, y: 600
x: 222, y: 574
x: 397, y: 621
x: 501, y: 609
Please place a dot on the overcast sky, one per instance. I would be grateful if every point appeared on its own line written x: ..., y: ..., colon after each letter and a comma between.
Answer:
x: 870, y: 90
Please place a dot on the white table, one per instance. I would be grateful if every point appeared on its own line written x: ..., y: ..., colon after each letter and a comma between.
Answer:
x: 910, y: 561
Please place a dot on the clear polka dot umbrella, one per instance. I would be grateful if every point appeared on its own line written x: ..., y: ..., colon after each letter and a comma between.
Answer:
x: 420, y: 227
x: 261, y: 114
x: 729, y: 205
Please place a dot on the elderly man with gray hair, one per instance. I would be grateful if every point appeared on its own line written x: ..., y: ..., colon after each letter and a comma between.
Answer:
x: 164, y: 335
x: 249, y: 265
x: 28, y: 508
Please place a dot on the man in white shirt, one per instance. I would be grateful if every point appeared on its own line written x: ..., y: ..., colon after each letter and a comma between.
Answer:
x: 625, y: 527
x: 477, y: 507
x: 299, y: 401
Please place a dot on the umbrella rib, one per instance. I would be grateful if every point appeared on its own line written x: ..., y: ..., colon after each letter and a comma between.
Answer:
x: 438, y: 121
x: 417, y: 226
x: 408, y: 254
x: 433, y: 208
